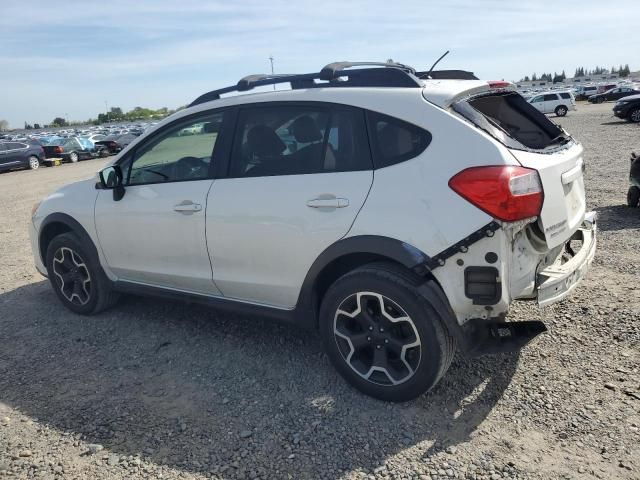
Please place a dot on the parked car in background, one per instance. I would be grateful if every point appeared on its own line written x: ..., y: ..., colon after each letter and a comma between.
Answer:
x: 20, y: 155
x: 613, y: 94
x: 628, y: 108
x: 115, y: 143
x: 584, y: 92
x: 71, y: 149
x: 554, y: 102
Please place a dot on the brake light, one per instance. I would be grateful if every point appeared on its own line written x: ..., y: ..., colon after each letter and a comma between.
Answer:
x: 507, y: 193
x: 58, y: 149
x: 499, y: 84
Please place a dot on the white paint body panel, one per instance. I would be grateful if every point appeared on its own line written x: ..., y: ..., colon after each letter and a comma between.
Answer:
x: 144, y: 240
x: 263, y: 237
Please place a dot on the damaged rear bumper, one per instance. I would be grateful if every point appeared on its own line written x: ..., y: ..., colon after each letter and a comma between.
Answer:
x: 558, y: 280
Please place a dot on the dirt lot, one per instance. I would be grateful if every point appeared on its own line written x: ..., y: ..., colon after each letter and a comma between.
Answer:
x: 154, y: 389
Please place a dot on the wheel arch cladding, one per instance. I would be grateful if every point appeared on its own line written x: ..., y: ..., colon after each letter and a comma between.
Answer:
x: 348, y: 254
x: 58, y: 223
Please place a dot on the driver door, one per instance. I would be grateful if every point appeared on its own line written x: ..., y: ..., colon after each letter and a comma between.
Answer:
x: 155, y: 235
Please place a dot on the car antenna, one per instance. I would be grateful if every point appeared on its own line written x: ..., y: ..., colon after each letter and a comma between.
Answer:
x: 436, y: 62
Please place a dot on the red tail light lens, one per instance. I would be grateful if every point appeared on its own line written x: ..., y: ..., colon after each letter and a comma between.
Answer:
x: 507, y: 193
x: 58, y: 149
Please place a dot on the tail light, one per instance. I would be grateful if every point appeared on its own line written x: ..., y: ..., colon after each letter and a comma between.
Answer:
x: 507, y: 193
x: 58, y: 149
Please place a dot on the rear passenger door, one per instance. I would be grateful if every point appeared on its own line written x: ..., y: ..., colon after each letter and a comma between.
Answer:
x: 297, y: 176
x: 550, y: 102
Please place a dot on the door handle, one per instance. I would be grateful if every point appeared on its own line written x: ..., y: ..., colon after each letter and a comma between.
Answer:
x: 187, y: 206
x: 325, y: 202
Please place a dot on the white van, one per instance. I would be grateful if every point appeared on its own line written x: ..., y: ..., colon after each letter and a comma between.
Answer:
x: 554, y: 102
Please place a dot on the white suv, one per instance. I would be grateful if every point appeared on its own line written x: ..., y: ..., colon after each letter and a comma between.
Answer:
x: 397, y: 213
x: 554, y: 102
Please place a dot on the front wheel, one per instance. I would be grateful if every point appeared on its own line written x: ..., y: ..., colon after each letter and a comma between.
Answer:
x: 73, y: 156
x: 386, y: 333
x: 77, y: 277
x: 634, y: 115
x: 633, y: 196
x: 34, y: 162
x: 600, y: 100
x: 561, y: 110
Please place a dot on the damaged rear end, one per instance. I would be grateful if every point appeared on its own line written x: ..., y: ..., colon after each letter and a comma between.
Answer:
x: 550, y: 237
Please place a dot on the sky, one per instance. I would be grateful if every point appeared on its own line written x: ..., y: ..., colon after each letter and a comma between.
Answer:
x: 76, y: 58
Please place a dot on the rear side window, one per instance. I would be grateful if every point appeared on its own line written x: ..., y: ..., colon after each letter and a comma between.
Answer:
x: 276, y: 140
x: 393, y: 140
x: 509, y: 118
x: 565, y: 95
x: 550, y: 97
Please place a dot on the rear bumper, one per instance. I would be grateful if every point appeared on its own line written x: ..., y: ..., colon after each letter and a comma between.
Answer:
x: 558, y: 280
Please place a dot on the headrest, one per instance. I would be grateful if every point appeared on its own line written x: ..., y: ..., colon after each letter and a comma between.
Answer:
x: 264, y: 142
x: 305, y: 130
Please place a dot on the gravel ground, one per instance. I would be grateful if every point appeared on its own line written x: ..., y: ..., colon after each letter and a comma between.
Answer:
x: 154, y: 389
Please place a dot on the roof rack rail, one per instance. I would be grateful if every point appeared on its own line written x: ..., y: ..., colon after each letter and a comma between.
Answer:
x: 341, y: 74
x: 332, y: 75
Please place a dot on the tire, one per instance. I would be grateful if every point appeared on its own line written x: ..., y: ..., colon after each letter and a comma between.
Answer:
x: 561, y: 110
x: 77, y: 277
x: 413, y: 353
x: 34, y: 162
x: 73, y: 157
x: 634, y: 115
x: 600, y: 100
x: 633, y: 196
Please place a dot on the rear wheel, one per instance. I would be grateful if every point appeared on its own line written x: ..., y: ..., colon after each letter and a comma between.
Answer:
x: 386, y: 333
x: 73, y: 156
x: 77, y: 277
x: 34, y: 162
x: 634, y: 115
x: 600, y: 100
x: 633, y: 196
x: 561, y: 110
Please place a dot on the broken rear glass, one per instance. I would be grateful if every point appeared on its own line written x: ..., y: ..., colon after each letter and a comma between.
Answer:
x: 512, y: 120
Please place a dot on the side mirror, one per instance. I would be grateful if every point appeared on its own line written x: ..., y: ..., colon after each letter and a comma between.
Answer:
x: 111, y: 179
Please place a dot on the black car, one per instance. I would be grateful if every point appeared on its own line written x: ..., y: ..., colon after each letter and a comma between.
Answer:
x: 628, y: 108
x: 115, y: 143
x: 20, y: 155
x: 613, y: 94
x: 71, y: 149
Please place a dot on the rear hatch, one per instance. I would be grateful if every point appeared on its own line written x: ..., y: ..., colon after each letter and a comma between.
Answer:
x: 536, y: 143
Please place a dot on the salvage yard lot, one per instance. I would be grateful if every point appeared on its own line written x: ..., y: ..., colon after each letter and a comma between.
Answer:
x: 163, y: 389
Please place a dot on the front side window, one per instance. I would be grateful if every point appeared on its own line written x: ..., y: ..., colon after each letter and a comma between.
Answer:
x: 181, y: 152
x: 537, y: 99
x: 394, y: 140
x: 298, y: 140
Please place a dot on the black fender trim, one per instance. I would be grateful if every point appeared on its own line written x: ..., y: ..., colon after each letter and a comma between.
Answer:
x: 362, y: 245
x: 73, y: 225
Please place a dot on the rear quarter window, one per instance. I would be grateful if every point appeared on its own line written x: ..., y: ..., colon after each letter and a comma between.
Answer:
x: 393, y: 140
x: 565, y: 95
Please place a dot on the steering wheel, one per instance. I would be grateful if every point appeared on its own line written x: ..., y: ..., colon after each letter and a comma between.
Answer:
x: 188, y: 167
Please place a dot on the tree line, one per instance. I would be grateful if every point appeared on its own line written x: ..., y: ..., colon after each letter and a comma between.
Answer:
x: 622, y: 71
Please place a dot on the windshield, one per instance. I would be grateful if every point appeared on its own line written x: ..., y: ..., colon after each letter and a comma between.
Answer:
x: 510, y: 119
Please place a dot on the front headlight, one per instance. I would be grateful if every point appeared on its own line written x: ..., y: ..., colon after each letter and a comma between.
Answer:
x: 34, y: 209
x: 621, y: 102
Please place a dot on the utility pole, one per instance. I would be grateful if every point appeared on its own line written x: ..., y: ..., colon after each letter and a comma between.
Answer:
x: 106, y: 109
x: 271, y: 60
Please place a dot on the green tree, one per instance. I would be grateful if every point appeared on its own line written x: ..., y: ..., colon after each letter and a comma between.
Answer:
x: 59, y: 122
x: 4, y: 125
